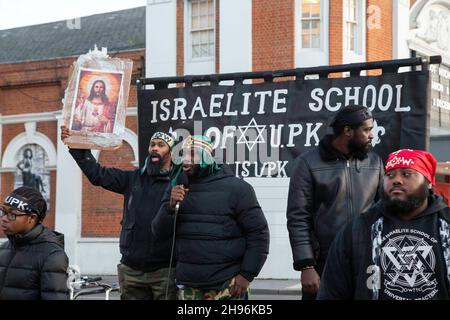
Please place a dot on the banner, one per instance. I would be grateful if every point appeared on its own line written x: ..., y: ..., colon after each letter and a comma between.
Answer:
x: 259, y: 129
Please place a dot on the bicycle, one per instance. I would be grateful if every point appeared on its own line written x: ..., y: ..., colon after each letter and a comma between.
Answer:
x: 83, y: 285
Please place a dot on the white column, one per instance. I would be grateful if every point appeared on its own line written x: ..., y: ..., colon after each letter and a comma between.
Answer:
x: 1, y: 138
x: 235, y: 36
x: 161, y: 38
x: 68, y: 198
x: 359, y: 55
x: 400, y: 29
x: 1, y: 155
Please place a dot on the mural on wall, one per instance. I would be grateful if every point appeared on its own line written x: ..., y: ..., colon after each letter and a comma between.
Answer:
x: 31, y: 161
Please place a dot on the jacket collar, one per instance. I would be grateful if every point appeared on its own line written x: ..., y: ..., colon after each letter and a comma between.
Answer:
x: 224, y: 172
x: 18, y: 240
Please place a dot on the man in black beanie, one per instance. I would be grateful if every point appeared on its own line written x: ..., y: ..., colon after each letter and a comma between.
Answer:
x: 330, y: 185
x: 33, y: 264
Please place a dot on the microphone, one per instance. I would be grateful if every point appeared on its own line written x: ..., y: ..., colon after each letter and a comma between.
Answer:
x: 183, y: 180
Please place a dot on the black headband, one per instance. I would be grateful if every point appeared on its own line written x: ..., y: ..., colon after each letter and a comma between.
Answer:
x: 16, y: 201
x: 352, y: 118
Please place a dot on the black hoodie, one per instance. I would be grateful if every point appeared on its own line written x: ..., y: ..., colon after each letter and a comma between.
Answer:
x: 221, y: 231
x: 33, y: 266
x: 413, y: 256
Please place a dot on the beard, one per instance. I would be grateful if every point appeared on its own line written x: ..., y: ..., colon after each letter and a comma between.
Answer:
x: 411, y: 203
x: 154, y: 168
x: 358, y: 148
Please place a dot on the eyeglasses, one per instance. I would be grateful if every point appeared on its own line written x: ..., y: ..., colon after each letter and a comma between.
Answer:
x: 10, y: 213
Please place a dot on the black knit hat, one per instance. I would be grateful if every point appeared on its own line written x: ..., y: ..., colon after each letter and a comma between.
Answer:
x: 27, y: 200
x: 351, y: 115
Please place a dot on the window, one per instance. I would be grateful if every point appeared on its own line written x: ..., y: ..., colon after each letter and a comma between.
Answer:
x: 312, y: 41
x: 351, y: 25
x: 202, y: 22
x: 354, y: 31
x: 310, y: 24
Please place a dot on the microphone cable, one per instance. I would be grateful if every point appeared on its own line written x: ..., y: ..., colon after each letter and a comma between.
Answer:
x: 177, y: 207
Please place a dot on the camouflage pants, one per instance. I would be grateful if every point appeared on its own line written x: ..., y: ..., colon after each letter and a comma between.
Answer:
x: 140, y: 285
x: 188, y: 293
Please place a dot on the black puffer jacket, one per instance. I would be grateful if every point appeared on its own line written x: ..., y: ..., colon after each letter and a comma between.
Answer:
x: 142, y: 198
x: 326, y: 191
x: 221, y: 231
x: 33, y: 266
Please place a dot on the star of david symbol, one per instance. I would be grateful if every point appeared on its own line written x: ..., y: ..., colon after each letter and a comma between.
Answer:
x: 253, y: 126
x: 407, y: 260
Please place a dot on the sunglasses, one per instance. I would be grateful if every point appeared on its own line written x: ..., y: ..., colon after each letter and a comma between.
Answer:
x: 10, y: 213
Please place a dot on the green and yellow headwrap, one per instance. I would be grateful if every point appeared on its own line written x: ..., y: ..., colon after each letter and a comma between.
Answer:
x: 203, y: 146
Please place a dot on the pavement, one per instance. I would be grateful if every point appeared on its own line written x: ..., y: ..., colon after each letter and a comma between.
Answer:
x: 261, y: 289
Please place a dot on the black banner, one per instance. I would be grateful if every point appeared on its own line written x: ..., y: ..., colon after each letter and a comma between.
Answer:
x: 260, y: 129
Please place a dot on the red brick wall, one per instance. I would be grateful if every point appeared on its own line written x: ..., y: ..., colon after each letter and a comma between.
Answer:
x: 132, y: 97
x: 273, y: 29
x: 180, y: 37
x: 34, y: 87
x: 30, y: 99
x: 102, y: 209
x: 336, y: 32
x: 379, y: 40
x: 273, y: 36
x: 7, y: 183
x: 8, y: 133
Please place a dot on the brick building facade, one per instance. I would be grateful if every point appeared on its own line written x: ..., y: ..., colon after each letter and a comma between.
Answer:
x: 267, y: 35
x: 168, y: 38
x: 223, y: 36
x: 33, y: 79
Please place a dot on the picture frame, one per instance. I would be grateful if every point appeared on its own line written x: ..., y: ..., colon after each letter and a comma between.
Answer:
x: 95, y: 107
x: 95, y: 101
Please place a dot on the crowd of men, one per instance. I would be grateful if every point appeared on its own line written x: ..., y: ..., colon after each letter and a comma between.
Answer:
x: 358, y: 229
